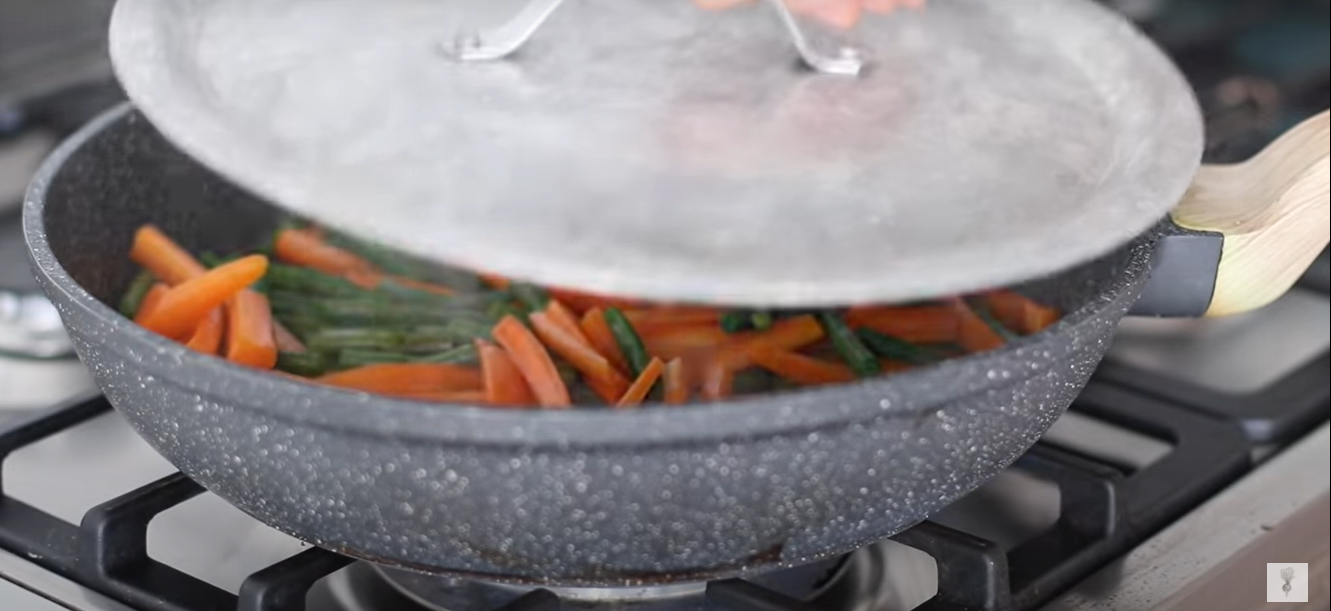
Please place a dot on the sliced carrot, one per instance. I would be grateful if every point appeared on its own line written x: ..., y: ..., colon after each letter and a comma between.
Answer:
x: 425, y: 287
x: 789, y: 334
x: 305, y: 248
x: 157, y: 253
x: 676, y: 383
x: 368, y: 279
x: 532, y: 359
x: 669, y: 316
x: 469, y: 397
x: 151, y: 300
x: 1020, y: 313
x: 598, y: 332
x: 801, y: 369
x: 636, y: 393
x: 697, y: 342
x: 919, y: 324
x: 600, y: 374
x: 504, y: 384
x: 186, y: 304
x: 581, y: 301
x: 564, y: 317
x: 249, y: 337
x: 207, y: 337
x: 973, y: 334
x: 286, y: 340
x: 718, y: 380
x: 406, y: 379
x: 494, y: 281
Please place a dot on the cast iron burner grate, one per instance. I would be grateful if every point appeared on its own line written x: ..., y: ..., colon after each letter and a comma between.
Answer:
x: 1105, y: 510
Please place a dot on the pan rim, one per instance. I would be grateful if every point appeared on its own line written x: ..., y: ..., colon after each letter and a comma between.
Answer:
x: 784, y: 414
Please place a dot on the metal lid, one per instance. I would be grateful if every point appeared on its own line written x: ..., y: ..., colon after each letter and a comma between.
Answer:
x: 651, y: 148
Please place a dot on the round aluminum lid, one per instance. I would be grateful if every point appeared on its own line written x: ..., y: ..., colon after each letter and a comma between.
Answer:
x: 654, y: 149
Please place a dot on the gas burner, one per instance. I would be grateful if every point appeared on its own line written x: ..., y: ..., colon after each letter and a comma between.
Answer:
x: 850, y: 583
x: 809, y: 582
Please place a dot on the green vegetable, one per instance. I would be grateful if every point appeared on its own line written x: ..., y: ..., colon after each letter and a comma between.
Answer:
x: 534, y: 297
x: 892, y: 348
x: 138, y: 289
x: 629, y: 342
x: 987, y: 316
x: 464, y: 354
x: 735, y: 321
x: 761, y: 321
x: 311, y: 282
x: 861, y: 360
x: 403, y: 265
x: 306, y: 364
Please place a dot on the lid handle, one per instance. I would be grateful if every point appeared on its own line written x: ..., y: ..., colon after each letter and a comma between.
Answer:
x: 502, y: 41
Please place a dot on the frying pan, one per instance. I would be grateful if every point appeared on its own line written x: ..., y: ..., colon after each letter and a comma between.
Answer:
x: 602, y: 498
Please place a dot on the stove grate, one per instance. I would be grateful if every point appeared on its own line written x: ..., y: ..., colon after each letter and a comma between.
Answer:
x: 108, y: 550
x: 1104, y: 511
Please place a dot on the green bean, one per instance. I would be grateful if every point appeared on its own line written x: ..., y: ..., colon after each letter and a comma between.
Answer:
x: 465, y: 353
x: 735, y: 321
x: 860, y: 359
x: 307, y: 364
x: 534, y: 297
x: 629, y: 342
x: 988, y: 317
x: 138, y: 289
x: 762, y: 320
x: 303, y: 280
x: 351, y: 358
x: 892, y: 348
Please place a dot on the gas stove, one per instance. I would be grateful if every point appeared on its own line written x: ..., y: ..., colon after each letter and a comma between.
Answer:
x: 1196, y: 456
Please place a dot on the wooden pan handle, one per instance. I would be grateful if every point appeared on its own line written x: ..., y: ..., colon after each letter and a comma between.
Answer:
x: 1273, y: 212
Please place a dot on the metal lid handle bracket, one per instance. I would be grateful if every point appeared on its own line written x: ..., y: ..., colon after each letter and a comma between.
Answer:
x: 504, y: 40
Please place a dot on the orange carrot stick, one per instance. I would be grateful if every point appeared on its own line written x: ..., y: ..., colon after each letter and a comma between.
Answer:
x: 634, y: 396
x: 670, y: 316
x: 600, y: 374
x: 1020, y: 313
x: 973, y: 334
x: 504, y: 384
x: 676, y: 383
x: 186, y: 304
x: 207, y: 337
x: 596, y: 330
x: 494, y: 281
x: 249, y: 337
x: 306, y: 249
x: 564, y: 317
x: 918, y: 324
x: 151, y: 300
x: 893, y: 366
x: 425, y: 287
x: 285, y: 340
x: 801, y: 369
x: 157, y: 253
x: 581, y: 302
x: 531, y: 358
x: 789, y: 334
x: 406, y: 379
x: 718, y: 380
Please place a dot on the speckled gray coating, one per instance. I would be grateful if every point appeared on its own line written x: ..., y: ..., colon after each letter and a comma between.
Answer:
x: 584, y: 497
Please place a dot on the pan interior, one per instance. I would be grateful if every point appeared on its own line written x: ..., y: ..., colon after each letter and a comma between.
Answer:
x: 127, y: 174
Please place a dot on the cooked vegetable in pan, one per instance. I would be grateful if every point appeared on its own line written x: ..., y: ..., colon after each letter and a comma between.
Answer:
x: 345, y: 313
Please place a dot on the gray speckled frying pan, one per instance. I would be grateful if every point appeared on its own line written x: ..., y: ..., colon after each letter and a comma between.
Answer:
x: 599, y: 497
